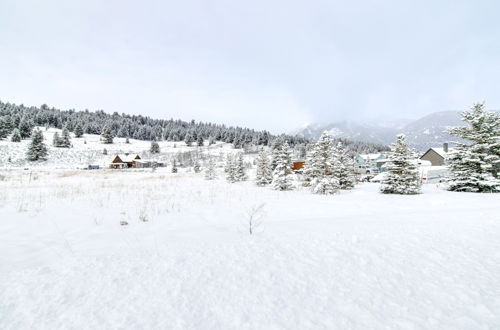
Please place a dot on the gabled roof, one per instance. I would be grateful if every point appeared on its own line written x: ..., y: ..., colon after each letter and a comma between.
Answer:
x: 127, y: 158
x: 441, y: 151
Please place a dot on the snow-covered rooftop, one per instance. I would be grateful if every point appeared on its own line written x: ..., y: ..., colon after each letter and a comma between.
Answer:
x: 371, y: 156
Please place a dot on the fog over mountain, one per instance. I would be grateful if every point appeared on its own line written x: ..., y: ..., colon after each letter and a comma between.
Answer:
x: 422, y: 133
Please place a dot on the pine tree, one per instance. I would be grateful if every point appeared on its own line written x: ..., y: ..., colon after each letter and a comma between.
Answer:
x: 56, y: 140
x: 402, y: 176
x: 155, y: 147
x: 107, y: 135
x: 318, y: 172
x: 37, y: 149
x: 65, y: 140
x: 199, y: 141
x: 189, y: 139
x: 240, y: 173
x: 104, y: 151
x: 275, y: 155
x: 211, y: 140
x: 25, y: 128
x: 343, y: 167
x: 230, y: 168
x: 78, y: 130
x: 16, y: 137
x: 264, y: 174
x: 127, y: 141
x: 4, y: 128
x: 474, y: 167
x: 210, y: 173
x: 283, y: 175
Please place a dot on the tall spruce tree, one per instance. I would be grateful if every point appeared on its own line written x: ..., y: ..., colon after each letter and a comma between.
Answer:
x: 282, y: 174
x: 230, y: 168
x: 65, y: 140
x: 475, y: 166
x: 36, y: 149
x: 240, y: 172
x: 78, y: 130
x: 210, y: 173
x: 318, y: 172
x: 264, y: 175
x: 56, y: 140
x: 16, y: 136
x: 107, y: 135
x: 402, y: 176
x: 343, y: 167
x: 4, y: 128
x: 155, y: 147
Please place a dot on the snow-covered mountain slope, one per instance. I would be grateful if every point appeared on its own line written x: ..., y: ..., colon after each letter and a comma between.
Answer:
x: 422, y: 133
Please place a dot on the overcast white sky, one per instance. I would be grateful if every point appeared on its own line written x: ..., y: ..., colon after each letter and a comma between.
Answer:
x: 264, y: 64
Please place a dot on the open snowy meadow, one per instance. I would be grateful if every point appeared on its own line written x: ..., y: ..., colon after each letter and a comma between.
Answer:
x: 139, y: 249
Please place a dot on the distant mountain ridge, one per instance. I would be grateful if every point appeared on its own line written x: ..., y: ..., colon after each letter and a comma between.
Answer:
x: 422, y: 133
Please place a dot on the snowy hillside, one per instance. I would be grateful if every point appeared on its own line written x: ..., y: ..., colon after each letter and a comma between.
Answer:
x: 89, y: 150
x: 355, y: 260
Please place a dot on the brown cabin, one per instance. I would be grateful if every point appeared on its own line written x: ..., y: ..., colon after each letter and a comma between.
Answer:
x: 124, y: 161
x: 297, y: 166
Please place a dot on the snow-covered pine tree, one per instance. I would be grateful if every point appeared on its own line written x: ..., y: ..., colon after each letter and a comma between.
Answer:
x: 127, y: 141
x: 4, y: 128
x: 475, y: 167
x: 107, y: 135
x: 264, y: 174
x: 199, y: 141
x: 78, y: 130
x: 318, y: 172
x: 37, y: 149
x: 56, y: 140
x: 402, y: 176
x: 230, y: 168
x: 65, y: 140
x: 343, y: 167
x: 155, y: 147
x: 282, y: 174
x: 16, y: 136
x: 211, y: 140
x: 210, y: 173
x: 189, y: 139
x: 240, y: 172
x: 275, y: 151
x: 25, y: 128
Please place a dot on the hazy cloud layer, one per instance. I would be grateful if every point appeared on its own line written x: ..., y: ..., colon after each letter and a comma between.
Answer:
x: 263, y: 64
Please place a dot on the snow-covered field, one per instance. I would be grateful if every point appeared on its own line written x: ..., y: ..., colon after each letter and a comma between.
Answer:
x: 186, y: 260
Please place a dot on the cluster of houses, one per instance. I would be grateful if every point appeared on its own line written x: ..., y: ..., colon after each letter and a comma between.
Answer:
x: 431, y: 163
